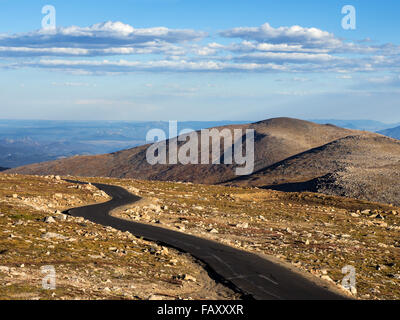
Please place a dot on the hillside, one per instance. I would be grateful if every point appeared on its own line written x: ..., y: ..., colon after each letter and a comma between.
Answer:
x: 311, y: 233
x: 275, y: 140
x: 365, y: 167
x: 91, y: 262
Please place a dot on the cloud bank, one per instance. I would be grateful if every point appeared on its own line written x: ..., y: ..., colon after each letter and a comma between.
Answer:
x: 98, y: 49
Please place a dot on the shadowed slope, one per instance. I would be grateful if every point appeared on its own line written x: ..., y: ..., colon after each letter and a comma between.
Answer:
x: 364, y: 167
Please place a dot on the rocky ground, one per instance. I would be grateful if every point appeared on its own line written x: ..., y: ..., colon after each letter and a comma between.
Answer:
x: 89, y: 261
x: 316, y: 233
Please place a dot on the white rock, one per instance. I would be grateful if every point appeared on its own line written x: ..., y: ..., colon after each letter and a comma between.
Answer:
x: 61, y: 217
x: 52, y: 235
x: 327, y: 278
x: 155, y: 297
x: 49, y: 220
x: 4, y: 269
x: 213, y: 231
x: 188, y: 277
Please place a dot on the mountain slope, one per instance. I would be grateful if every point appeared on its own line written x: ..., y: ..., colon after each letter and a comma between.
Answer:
x: 275, y: 140
x: 364, y: 167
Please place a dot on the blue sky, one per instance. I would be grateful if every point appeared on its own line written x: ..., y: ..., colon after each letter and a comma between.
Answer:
x: 199, y: 60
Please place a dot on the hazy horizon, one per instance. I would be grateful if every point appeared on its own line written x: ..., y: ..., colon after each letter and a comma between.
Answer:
x: 191, y: 120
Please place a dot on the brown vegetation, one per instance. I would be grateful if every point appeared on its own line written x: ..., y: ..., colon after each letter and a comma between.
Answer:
x: 90, y: 261
x: 314, y: 233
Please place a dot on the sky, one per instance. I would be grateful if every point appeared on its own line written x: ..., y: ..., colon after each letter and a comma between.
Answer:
x: 199, y: 60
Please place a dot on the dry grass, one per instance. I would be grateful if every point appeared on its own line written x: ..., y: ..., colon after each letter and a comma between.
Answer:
x: 91, y: 261
x: 316, y: 233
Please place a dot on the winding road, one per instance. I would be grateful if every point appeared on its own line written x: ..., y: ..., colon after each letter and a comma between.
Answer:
x: 248, y: 273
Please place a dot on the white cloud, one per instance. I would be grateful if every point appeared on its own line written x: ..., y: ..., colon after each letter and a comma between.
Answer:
x: 252, y: 49
x: 148, y: 48
x: 299, y: 39
x: 102, y: 39
x: 283, y: 35
x: 388, y: 80
x: 108, y: 102
x: 101, y: 35
x: 344, y: 77
x: 124, y: 66
x: 73, y: 84
x: 285, y: 57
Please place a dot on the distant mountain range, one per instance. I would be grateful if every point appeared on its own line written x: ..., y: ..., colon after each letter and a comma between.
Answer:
x: 392, y: 132
x: 365, y: 125
x: 290, y: 154
x: 24, y: 142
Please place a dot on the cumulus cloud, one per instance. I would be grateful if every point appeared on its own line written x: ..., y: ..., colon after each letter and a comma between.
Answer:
x: 102, y: 39
x: 124, y: 66
x: 83, y: 50
x: 298, y: 39
x: 274, y: 64
x: 285, y: 57
x: 283, y: 35
x: 147, y: 48
x: 98, y: 36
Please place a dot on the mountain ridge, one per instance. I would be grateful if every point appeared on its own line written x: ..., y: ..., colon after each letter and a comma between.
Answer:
x: 364, y: 167
x: 289, y: 153
x: 276, y: 140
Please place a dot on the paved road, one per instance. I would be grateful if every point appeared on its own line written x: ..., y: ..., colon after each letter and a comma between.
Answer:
x: 251, y: 274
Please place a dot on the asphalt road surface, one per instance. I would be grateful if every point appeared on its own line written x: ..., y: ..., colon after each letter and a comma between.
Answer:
x: 248, y: 273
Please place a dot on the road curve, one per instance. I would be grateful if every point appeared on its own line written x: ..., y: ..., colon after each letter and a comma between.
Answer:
x: 250, y: 273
